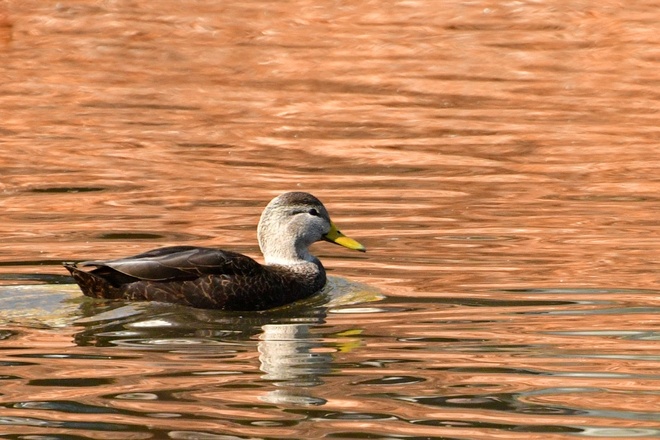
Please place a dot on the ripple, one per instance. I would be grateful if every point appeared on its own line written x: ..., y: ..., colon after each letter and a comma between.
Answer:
x: 67, y: 189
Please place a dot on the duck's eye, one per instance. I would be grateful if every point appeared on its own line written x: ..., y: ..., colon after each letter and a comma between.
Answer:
x: 313, y: 212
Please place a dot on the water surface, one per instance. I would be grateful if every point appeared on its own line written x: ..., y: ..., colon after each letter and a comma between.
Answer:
x: 498, y: 160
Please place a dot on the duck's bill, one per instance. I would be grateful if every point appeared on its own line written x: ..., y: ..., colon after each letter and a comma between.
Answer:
x: 334, y: 236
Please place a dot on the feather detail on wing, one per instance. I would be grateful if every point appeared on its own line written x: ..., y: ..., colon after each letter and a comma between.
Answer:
x: 176, y: 263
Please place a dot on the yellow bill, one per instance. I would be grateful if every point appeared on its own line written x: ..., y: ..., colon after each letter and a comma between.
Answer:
x: 334, y: 236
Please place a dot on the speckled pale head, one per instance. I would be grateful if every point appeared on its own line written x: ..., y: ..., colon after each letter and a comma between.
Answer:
x: 291, y: 223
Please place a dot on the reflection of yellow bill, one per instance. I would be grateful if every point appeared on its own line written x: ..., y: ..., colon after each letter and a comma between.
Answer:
x: 334, y: 236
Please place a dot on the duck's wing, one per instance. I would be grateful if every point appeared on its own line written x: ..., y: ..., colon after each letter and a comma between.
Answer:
x: 176, y: 263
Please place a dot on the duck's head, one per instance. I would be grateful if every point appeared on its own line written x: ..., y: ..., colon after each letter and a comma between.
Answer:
x: 291, y: 223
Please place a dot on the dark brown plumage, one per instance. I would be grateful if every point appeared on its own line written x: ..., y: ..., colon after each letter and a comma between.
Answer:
x: 212, y: 278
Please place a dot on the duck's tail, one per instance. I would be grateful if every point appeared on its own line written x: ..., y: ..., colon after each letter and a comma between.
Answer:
x: 92, y: 285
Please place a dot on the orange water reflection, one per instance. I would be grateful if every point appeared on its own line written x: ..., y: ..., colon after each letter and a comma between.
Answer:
x: 497, y: 159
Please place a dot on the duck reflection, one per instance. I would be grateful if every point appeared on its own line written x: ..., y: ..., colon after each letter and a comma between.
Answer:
x: 289, y: 355
x: 293, y: 358
x: 115, y: 324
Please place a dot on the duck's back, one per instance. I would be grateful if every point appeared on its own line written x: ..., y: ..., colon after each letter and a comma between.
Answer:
x: 199, y: 277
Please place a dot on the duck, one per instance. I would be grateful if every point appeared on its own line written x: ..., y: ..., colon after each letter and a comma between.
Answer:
x: 210, y: 278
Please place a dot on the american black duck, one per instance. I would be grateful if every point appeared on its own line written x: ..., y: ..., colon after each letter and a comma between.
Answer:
x: 215, y: 279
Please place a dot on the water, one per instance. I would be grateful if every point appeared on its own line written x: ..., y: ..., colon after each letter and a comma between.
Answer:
x: 498, y: 160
